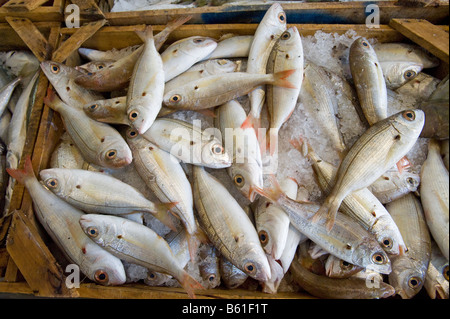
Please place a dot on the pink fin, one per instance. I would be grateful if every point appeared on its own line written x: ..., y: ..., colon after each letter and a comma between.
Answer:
x: 190, y: 284
x: 163, y: 215
x: 21, y: 175
x: 403, y: 164
x: 280, y: 79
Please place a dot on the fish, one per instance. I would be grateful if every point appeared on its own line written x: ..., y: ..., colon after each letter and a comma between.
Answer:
x: 95, y: 192
x: 246, y: 170
x: 277, y: 273
x: 434, y: 196
x: 237, y: 46
x: 272, y: 223
x: 227, y: 226
x: 393, y: 185
x: 6, y: 93
x: 421, y: 87
x: 287, y: 54
x: 318, y: 98
x: 4, y: 177
x: 441, y: 91
x: 67, y: 155
x: 338, y: 268
x: 231, y: 276
x: 5, y: 119
x: 445, y: 153
x: 136, y: 244
x: 184, y: 53
x: 369, y: 80
x: 60, y: 220
x: 110, y: 55
x: 335, y: 288
x: 99, y: 143
x: 117, y: 75
x: 189, y: 143
x: 209, y: 266
x: 436, y: 119
x: 218, y: 89
x: 294, y: 239
x: 347, y: 240
x: 62, y: 78
x: 163, y: 174
x: 94, y: 66
x: 409, y: 270
x: 405, y: 52
x: 146, y: 89
x: 269, y: 29
x: 398, y: 73
x: 361, y: 205
x: 379, y: 148
x: 202, y: 70
x: 436, y: 280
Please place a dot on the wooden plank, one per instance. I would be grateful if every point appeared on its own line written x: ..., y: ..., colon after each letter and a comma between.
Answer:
x: 21, y: 288
x: 23, y: 5
x: 353, y: 12
x: 34, y: 260
x: 30, y: 34
x: 141, y: 291
x: 12, y: 273
x: 425, y: 34
x: 88, y: 10
x: 76, y: 40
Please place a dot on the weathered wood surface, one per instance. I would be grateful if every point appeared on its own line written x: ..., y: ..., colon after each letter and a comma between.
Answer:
x: 46, y: 12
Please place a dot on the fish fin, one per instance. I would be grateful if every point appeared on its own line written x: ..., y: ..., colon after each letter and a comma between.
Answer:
x: 52, y: 100
x: 327, y: 212
x: 272, y: 140
x: 274, y: 193
x: 175, y: 23
x: 251, y: 121
x: 193, y: 244
x: 280, y: 79
x: 403, y: 164
x: 145, y: 35
x: 190, y: 284
x: 163, y: 216
x: 21, y: 175
x: 207, y: 112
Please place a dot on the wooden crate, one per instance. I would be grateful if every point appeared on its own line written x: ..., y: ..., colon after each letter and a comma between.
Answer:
x: 41, y: 39
x: 353, y: 12
x: 30, y: 261
x: 35, y: 10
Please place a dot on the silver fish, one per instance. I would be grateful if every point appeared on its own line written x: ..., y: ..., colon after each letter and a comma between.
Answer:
x: 60, y: 220
x: 209, y: 266
x: 369, y: 80
x: 246, y: 171
x: 377, y: 149
x: 396, y: 51
x: 227, y: 226
x: 232, y: 277
x: 269, y: 29
x: 99, y: 143
x: 409, y: 270
x: 136, y: 244
x: 434, y: 195
x: 338, y: 268
x: 398, y: 73
x: 111, y: 55
x: 6, y: 93
x: 237, y: 46
x: 436, y: 280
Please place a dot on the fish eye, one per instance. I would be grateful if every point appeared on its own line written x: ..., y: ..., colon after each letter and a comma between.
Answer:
x: 409, y: 115
x: 93, y: 107
x: 409, y: 74
x: 364, y: 43
x: 387, y: 243
x: 282, y: 17
x: 101, y: 276
x: 198, y: 40
x: 250, y: 268
x: 132, y: 133
x: 445, y: 272
x: 111, y: 154
x: 217, y: 149
x: 239, y: 180
x: 286, y: 35
x: 263, y: 237
x: 345, y: 265
x: 378, y: 258
x: 100, y: 66
x: 414, y: 282
x: 133, y: 115
x: 151, y: 276
x: 54, y: 68
x: 92, y: 231
x: 411, y: 181
x: 211, y: 277
x: 52, y: 183
x: 175, y: 98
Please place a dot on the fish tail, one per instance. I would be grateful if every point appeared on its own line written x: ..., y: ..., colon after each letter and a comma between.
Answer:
x: 51, y: 100
x: 279, y: 79
x: 190, y: 284
x: 251, y: 121
x: 145, y: 35
x: 272, y: 140
x: 327, y: 212
x: 403, y: 164
x: 163, y: 215
x: 22, y: 175
x: 273, y: 194
x: 175, y: 23
x: 193, y: 243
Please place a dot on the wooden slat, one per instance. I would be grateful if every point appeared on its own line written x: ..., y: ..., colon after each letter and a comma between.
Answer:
x: 23, y: 5
x: 30, y: 34
x: 12, y: 273
x: 34, y: 260
x: 88, y: 9
x: 76, y: 40
x: 425, y: 34
x: 21, y: 288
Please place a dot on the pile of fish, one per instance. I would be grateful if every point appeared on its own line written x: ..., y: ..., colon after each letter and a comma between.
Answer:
x: 132, y: 188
